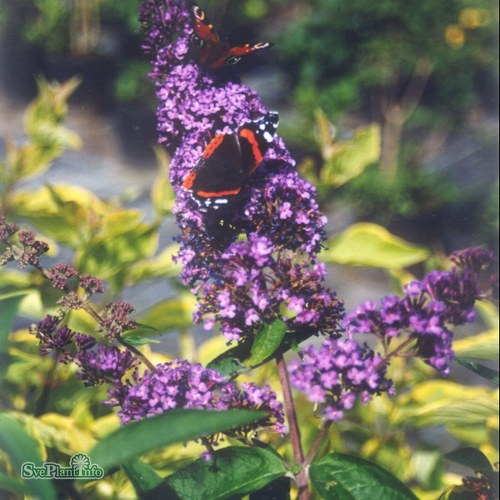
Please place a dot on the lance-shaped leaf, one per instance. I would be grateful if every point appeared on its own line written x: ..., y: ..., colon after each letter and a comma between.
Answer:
x: 470, y: 457
x: 235, y: 471
x: 22, y: 448
x: 481, y: 346
x: 230, y: 362
x: 347, y: 477
x: 142, y: 476
x: 266, y: 342
x: 137, y: 438
x: 366, y: 244
x: 481, y: 370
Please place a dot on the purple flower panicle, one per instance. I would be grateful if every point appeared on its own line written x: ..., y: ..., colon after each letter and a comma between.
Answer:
x: 54, y: 339
x: 105, y: 364
x: 115, y: 319
x: 267, y: 262
x: 428, y: 308
x: 7, y: 230
x: 180, y: 384
x: 337, y: 374
x: 27, y: 250
x: 60, y: 274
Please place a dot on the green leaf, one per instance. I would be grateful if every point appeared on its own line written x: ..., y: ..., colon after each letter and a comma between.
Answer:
x: 235, y: 471
x: 142, y: 476
x: 470, y: 457
x: 482, y: 371
x: 168, y: 315
x: 22, y: 448
x: 136, y: 339
x: 366, y: 244
x: 230, y: 362
x: 9, y: 484
x: 137, y: 438
x: 481, y: 346
x: 267, y: 340
x: 442, y: 402
x: 227, y: 365
x: 279, y: 489
x: 9, y: 305
x: 348, y: 159
x: 339, y: 476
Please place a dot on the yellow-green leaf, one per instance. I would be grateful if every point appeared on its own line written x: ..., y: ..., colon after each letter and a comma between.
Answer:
x: 348, y: 159
x: 481, y: 346
x: 162, y: 194
x: 161, y: 265
x: 441, y: 402
x: 63, y: 212
x: 170, y: 314
x: 366, y: 244
x: 489, y: 313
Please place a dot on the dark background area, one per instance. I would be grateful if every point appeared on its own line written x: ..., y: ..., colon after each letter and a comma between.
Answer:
x: 427, y: 74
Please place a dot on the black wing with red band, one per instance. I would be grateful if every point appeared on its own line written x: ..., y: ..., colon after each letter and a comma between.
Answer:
x: 228, y: 160
x: 210, y: 51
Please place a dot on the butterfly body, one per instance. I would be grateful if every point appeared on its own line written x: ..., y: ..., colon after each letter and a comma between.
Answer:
x: 228, y: 161
x: 210, y: 51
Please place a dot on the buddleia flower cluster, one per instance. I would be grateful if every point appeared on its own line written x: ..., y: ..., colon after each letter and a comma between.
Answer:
x: 136, y: 392
x: 429, y: 309
x: 337, y: 374
x: 418, y: 324
x: 268, y: 263
x: 266, y: 267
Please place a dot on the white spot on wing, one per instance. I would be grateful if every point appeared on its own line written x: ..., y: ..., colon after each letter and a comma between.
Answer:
x: 268, y: 137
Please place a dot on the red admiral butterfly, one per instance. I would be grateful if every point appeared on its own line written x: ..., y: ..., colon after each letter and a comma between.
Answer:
x: 210, y: 51
x: 228, y: 160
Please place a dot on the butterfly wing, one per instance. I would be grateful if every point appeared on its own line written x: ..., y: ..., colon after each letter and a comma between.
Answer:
x: 219, y: 173
x: 227, y: 162
x: 206, y: 45
x: 255, y: 139
x: 203, y: 29
x: 210, y: 51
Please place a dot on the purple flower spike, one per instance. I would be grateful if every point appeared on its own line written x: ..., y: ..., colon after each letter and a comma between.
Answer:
x: 6, y: 229
x: 106, y: 364
x: 337, y: 374
x: 54, y: 339
x: 428, y: 309
x: 180, y: 384
x: 60, y: 274
x: 262, y: 258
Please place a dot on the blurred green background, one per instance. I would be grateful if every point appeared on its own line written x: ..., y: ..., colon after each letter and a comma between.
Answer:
x: 416, y: 82
x: 390, y: 108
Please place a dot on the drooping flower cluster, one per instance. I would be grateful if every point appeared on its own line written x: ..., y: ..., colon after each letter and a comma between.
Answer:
x: 177, y: 384
x: 257, y: 283
x: 26, y: 251
x: 60, y: 341
x: 277, y: 215
x: 180, y: 384
x: 337, y: 374
x: 428, y: 309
